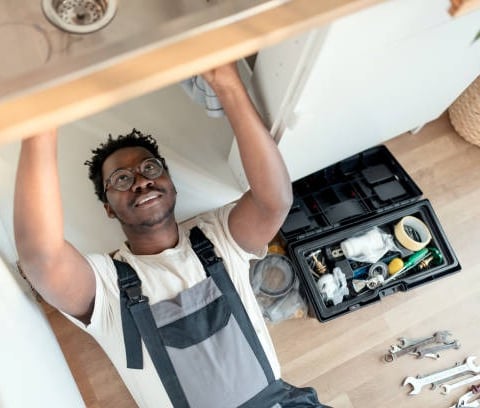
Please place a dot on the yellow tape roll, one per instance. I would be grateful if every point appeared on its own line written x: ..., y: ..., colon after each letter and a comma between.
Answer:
x: 406, y: 240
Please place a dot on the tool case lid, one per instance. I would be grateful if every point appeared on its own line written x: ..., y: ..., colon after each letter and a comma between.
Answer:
x: 353, y: 189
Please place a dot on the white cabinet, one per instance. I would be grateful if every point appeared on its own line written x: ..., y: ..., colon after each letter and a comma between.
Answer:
x: 364, y: 79
x: 33, y: 371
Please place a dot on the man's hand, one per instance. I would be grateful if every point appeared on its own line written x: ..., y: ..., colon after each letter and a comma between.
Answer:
x: 46, y: 134
x: 223, y: 77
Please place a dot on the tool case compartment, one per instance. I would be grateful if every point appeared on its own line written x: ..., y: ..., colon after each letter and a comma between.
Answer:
x: 369, y: 191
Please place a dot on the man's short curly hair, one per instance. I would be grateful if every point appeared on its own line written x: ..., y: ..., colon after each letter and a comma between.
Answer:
x: 133, y: 139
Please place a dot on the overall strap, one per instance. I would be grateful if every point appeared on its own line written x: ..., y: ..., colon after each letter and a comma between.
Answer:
x: 130, y: 291
x: 138, y: 322
x: 215, y: 268
x: 203, y: 249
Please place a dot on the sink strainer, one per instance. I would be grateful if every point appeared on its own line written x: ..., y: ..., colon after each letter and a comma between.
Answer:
x: 79, y: 16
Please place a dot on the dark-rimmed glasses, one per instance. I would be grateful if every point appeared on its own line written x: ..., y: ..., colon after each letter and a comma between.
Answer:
x: 123, y: 179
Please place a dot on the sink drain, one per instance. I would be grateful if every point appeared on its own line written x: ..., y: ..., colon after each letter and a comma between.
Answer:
x: 79, y: 16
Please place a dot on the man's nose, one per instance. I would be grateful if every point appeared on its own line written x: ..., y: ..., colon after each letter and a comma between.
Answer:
x: 141, y: 182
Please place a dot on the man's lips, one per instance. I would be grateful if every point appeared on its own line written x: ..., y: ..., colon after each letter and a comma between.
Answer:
x: 146, y: 199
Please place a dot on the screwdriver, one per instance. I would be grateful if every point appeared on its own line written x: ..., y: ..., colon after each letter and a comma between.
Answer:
x: 411, y: 262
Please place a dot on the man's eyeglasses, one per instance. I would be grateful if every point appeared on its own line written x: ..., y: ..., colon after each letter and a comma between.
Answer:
x: 123, y: 179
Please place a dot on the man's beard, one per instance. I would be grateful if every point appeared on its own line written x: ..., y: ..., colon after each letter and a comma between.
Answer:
x: 158, y: 218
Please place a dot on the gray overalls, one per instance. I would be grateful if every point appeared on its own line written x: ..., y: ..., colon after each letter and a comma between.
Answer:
x: 202, y: 342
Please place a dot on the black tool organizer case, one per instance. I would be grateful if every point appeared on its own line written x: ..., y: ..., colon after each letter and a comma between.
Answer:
x: 366, y: 191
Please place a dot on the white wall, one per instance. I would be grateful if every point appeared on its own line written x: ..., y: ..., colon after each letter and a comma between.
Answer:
x: 33, y: 371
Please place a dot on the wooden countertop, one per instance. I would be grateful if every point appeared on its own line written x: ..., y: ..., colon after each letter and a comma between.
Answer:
x: 155, y: 68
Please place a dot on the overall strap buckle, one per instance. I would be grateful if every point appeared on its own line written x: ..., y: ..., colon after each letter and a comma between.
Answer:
x: 130, y: 284
x: 134, y: 295
x: 203, y: 248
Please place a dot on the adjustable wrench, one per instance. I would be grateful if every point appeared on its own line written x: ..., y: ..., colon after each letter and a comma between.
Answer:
x: 420, y: 381
x: 439, y: 337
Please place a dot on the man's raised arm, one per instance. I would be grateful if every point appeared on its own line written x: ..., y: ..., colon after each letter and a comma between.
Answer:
x: 261, y: 211
x: 54, y: 267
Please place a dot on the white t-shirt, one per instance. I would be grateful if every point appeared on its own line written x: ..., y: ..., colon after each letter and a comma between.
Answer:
x: 163, y: 276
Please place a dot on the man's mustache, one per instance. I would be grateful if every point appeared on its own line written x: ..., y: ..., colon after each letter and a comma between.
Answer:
x: 146, y: 190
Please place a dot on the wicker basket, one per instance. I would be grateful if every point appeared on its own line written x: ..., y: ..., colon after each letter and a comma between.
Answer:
x: 465, y: 113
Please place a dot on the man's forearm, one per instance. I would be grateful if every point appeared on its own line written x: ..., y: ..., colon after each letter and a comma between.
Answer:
x: 261, y: 159
x: 38, y: 218
x: 55, y: 268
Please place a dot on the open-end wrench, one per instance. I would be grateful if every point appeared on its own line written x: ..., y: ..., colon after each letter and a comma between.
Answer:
x: 464, y: 400
x: 460, y: 376
x: 446, y: 388
x: 421, y: 352
x: 438, y: 337
x: 406, y: 342
x: 420, y: 381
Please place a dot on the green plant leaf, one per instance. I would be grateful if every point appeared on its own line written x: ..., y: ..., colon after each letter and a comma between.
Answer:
x: 476, y: 37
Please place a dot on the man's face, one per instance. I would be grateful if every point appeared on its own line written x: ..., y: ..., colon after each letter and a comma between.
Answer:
x: 146, y: 203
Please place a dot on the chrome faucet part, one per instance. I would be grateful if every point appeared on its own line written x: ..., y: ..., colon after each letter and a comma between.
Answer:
x: 371, y: 283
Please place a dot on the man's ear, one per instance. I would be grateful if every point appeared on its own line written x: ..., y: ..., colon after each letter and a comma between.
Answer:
x: 109, y: 211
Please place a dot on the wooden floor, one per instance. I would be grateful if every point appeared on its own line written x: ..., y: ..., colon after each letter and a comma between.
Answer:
x: 343, y: 358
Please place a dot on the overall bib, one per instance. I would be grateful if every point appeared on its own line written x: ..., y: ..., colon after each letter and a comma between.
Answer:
x: 202, y: 342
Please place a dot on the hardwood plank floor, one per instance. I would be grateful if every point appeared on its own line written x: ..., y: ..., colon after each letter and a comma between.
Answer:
x: 343, y: 358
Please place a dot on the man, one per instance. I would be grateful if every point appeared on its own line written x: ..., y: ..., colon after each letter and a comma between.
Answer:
x: 132, y: 181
